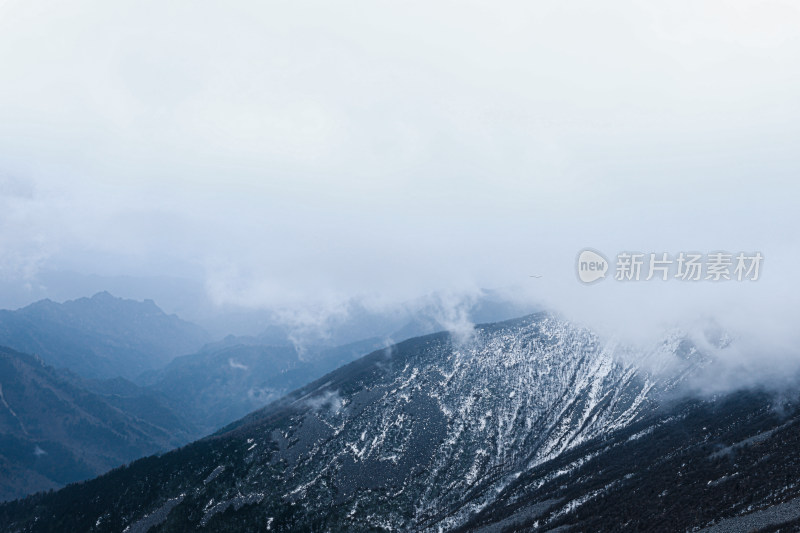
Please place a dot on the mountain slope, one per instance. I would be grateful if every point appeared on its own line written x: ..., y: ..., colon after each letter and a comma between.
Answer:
x: 421, y: 436
x: 101, y: 336
x: 56, y: 428
x: 730, y: 463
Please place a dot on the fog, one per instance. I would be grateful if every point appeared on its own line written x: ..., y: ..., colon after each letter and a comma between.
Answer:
x: 275, y: 155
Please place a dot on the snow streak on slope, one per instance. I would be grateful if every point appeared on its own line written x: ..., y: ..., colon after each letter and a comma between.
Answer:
x: 443, y: 429
x: 420, y: 437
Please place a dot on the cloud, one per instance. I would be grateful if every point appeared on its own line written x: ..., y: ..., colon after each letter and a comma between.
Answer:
x: 297, y: 155
x: 235, y: 364
x: 327, y: 401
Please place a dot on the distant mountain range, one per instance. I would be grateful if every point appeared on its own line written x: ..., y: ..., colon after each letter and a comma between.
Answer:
x: 101, y: 336
x: 223, y: 383
x: 56, y: 428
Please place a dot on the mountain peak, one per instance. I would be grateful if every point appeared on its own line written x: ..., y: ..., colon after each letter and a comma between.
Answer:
x: 104, y: 296
x: 100, y: 336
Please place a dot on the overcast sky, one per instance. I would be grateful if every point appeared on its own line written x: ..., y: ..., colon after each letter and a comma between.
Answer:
x: 284, y: 152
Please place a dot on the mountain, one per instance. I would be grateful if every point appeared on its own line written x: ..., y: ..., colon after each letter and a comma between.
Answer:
x: 225, y: 381
x: 724, y: 464
x: 101, y: 336
x: 57, y: 428
x: 423, y: 435
x: 234, y: 376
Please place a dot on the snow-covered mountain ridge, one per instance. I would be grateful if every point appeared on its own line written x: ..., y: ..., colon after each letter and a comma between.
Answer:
x: 451, y: 423
x: 420, y: 436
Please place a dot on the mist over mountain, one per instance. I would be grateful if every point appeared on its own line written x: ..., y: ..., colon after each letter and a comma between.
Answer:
x: 101, y: 336
x: 349, y: 320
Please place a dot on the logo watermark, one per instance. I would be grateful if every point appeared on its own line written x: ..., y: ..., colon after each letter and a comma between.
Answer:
x: 592, y: 266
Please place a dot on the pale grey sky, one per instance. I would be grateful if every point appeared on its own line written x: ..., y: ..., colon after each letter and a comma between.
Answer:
x: 285, y: 152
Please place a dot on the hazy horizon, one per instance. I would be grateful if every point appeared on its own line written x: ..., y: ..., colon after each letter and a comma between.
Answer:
x: 278, y: 155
